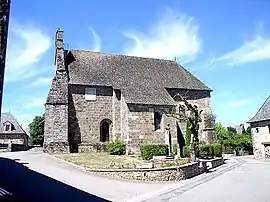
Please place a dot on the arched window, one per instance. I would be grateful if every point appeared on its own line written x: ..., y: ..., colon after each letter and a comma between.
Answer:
x: 105, y: 130
x: 157, y: 120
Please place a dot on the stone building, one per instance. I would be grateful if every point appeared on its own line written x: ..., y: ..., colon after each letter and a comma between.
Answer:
x: 12, y: 135
x: 260, y: 129
x: 98, y: 97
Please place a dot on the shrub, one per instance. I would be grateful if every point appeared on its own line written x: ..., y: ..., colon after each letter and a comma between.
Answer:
x: 116, y: 147
x: 150, y: 150
x: 217, y: 149
x: 174, y: 152
x: 206, y: 151
x: 186, y: 151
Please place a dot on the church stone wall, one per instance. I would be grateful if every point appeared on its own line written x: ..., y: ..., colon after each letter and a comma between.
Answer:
x: 132, y: 123
x: 203, y: 100
x: 140, y: 125
x: 85, y: 116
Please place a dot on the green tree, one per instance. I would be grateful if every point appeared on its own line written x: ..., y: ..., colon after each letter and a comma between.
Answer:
x: 248, y: 131
x: 36, y: 130
x: 222, y: 133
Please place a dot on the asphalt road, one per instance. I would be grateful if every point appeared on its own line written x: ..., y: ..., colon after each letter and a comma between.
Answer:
x: 33, y: 176
x: 245, y: 180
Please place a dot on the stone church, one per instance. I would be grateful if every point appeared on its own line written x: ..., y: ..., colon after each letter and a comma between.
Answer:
x: 98, y: 97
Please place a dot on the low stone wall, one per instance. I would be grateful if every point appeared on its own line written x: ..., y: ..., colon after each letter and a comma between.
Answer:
x: 217, y: 162
x: 175, y: 173
x: 212, y: 163
x: 18, y: 147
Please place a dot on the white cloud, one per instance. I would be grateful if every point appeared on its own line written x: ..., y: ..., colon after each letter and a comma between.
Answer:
x: 96, y: 40
x: 242, y: 102
x: 26, y: 45
x: 173, y: 35
x: 42, y: 81
x: 36, y: 102
x: 257, y: 49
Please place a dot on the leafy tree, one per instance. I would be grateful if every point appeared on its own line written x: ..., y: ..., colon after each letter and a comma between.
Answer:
x: 232, y: 130
x: 248, y: 131
x: 36, y: 130
x: 222, y: 133
x: 228, y: 137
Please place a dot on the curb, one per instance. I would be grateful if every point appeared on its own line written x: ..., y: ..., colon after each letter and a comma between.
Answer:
x: 185, y: 185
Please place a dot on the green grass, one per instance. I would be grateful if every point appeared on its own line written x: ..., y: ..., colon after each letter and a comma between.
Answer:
x: 102, y: 160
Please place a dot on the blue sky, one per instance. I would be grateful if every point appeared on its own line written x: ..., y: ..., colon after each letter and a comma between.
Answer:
x: 224, y: 43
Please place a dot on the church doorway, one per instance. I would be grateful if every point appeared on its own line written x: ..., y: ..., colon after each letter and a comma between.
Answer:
x: 105, y: 130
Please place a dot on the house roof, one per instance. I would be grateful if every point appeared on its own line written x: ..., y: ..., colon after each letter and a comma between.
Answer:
x: 141, y: 80
x: 264, y: 112
x: 8, y: 117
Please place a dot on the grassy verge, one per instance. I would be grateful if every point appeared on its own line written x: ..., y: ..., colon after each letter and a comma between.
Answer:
x: 102, y: 160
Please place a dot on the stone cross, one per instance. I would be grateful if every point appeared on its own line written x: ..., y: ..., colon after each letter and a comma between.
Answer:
x: 168, y: 138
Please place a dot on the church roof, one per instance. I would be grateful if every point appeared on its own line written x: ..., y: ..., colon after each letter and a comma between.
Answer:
x: 264, y: 112
x: 7, y: 117
x: 141, y: 80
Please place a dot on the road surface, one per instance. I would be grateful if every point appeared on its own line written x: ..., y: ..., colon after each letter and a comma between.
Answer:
x: 246, y: 181
x: 33, y: 176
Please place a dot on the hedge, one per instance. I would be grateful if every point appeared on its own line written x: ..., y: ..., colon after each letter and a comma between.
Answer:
x: 116, y: 147
x: 205, y: 151
x: 150, y: 150
x: 217, y: 149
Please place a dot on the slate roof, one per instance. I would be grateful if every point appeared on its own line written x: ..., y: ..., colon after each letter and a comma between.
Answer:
x: 141, y: 80
x: 264, y: 112
x: 8, y: 117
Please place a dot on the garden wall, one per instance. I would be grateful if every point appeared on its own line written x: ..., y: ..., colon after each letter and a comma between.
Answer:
x: 174, y: 173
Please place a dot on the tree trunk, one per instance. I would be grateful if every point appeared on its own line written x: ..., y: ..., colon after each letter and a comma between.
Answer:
x: 192, y: 149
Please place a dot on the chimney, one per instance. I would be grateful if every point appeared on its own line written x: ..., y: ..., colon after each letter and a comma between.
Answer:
x: 59, y: 50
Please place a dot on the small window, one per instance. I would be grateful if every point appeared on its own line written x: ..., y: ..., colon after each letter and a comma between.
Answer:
x: 90, y: 93
x: 257, y: 130
x: 157, y: 120
x: 7, y: 128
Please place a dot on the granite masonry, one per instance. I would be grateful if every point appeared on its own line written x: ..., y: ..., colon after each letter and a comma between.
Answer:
x: 260, y: 129
x: 172, y: 173
x: 99, y: 97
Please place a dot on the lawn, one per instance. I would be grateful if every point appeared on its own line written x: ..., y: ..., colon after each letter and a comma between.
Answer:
x: 102, y: 160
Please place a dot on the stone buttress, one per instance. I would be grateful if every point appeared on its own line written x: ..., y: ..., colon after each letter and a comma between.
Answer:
x: 56, y: 107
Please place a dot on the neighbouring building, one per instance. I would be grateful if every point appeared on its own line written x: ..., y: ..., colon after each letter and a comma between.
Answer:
x: 260, y: 129
x: 12, y: 135
x: 97, y: 97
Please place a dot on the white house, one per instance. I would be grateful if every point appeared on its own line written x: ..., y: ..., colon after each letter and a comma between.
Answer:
x: 260, y: 129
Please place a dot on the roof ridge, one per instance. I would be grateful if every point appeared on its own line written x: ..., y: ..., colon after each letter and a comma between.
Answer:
x: 262, y: 107
x: 125, y: 55
x: 13, y: 120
